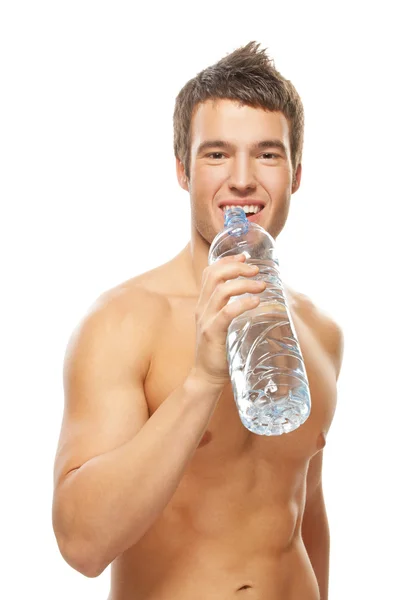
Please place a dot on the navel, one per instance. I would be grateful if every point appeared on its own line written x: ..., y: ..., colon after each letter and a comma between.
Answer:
x: 244, y: 587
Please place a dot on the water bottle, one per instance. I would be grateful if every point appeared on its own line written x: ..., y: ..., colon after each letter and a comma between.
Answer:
x: 266, y: 366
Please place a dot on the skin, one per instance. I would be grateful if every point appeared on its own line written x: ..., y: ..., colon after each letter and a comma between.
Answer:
x: 247, y: 520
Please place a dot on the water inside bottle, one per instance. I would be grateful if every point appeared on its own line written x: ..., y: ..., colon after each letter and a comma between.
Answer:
x: 267, y: 370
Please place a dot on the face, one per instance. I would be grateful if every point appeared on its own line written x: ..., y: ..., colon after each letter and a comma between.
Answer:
x: 238, y: 154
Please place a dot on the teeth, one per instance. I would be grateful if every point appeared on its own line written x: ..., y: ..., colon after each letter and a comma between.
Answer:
x: 248, y: 208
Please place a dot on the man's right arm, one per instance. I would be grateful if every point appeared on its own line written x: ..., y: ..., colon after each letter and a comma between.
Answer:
x: 116, y: 469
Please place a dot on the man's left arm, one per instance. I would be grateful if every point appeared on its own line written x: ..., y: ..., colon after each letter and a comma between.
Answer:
x: 315, y: 528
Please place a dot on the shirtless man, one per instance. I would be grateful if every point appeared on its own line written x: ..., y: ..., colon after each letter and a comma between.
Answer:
x: 155, y: 472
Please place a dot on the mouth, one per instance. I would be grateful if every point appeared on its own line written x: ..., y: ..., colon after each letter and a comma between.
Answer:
x: 251, y: 216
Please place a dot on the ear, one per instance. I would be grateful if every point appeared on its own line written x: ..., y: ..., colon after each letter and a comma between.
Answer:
x: 297, y: 179
x: 181, y: 175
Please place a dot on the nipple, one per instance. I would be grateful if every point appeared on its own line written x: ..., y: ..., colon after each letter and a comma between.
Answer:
x: 321, y: 441
x: 206, y: 438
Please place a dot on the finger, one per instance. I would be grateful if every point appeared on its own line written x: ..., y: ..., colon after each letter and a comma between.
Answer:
x: 225, y: 269
x: 235, y: 287
x: 224, y: 317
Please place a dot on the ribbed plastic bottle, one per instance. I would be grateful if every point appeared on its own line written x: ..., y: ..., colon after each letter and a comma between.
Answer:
x: 266, y: 365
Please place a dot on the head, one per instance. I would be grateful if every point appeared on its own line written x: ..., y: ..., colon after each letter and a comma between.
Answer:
x: 238, y: 135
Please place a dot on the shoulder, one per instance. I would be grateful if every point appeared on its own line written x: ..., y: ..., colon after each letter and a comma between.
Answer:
x: 128, y: 302
x: 119, y: 320
x: 327, y: 330
x: 132, y: 297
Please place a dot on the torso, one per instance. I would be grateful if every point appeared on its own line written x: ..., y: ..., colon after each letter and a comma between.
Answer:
x: 232, y: 530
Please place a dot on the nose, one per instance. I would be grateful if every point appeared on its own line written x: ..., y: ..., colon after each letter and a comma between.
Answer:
x: 242, y: 178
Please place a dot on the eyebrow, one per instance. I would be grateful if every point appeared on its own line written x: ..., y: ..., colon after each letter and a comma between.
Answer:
x: 264, y: 144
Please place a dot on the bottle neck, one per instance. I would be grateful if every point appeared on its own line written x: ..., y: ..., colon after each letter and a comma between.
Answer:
x: 236, y: 218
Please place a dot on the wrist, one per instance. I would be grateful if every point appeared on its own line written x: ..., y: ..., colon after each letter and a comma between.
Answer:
x: 201, y: 383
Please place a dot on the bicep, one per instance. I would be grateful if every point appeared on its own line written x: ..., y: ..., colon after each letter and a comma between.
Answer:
x: 104, y: 401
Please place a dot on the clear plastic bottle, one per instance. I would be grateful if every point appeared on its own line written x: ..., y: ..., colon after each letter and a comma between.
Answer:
x: 266, y: 365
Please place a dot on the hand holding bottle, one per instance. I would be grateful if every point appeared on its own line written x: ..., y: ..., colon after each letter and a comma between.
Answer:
x: 214, y: 314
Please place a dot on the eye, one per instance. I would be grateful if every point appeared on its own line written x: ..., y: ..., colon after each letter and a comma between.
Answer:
x: 216, y: 155
x: 268, y: 154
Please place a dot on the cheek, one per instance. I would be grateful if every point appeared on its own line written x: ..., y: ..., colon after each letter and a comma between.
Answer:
x: 206, y: 181
x: 276, y: 180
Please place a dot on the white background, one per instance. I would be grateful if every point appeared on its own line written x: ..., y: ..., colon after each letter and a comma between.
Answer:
x: 87, y: 96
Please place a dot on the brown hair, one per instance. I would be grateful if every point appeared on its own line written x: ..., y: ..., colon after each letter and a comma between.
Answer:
x: 248, y: 76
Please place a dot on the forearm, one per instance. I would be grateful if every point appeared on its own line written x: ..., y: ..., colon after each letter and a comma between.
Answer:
x: 316, y: 537
x: 108, y: 504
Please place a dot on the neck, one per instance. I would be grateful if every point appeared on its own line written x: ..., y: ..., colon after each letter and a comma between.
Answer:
x: 195, y: 256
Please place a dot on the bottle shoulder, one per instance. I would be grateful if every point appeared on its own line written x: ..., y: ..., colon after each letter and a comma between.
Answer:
x: 254, y: 243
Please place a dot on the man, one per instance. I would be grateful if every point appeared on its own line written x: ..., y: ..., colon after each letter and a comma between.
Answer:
x: 154, y: 471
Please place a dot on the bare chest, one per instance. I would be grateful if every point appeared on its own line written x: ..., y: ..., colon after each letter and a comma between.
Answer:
x: 226, y: 437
